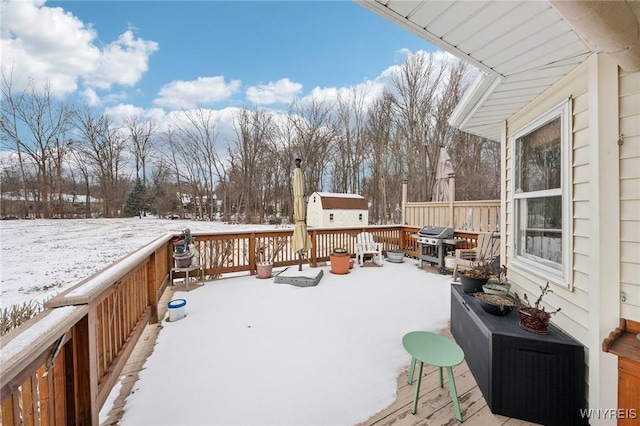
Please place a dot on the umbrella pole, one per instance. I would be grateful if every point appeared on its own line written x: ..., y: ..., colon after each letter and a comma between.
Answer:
x: 299, y: 261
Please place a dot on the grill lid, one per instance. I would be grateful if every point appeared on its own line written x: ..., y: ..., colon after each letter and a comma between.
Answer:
x: 436, y: 232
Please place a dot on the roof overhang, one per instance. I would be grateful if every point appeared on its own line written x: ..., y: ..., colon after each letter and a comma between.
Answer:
x: 521, y: 48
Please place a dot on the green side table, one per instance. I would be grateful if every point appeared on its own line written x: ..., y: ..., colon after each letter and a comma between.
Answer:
x: 438, y: 351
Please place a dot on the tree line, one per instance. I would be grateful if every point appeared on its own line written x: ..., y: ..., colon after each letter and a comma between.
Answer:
x: 364, y: 142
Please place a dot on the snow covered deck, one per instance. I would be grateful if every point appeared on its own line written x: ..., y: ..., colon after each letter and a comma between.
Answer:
x: 434, y: 406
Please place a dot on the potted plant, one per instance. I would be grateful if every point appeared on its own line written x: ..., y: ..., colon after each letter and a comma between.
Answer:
x: 474, y: 277
x: 535, y: 318
x: 266, y: 254
x: 499, y: 285
x: 496, y: 304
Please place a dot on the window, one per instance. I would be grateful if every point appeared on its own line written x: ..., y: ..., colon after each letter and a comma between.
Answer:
x: 330, y: 217
x: 360, y: 217
x: 540, y: 195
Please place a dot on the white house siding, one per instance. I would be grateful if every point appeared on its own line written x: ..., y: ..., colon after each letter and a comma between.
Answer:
x: 629, y: 84
x: 591, y: 308
x: 574, y: 303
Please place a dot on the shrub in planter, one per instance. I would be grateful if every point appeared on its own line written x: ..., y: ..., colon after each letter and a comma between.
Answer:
x: 473, y: 278
x: 534, y: 318
x: 496, y: 304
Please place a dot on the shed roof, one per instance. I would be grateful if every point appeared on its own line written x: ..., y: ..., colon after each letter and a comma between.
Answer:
x: 341, y: 201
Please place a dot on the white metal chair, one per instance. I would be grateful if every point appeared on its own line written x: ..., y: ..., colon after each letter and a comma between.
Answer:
x: 365, y: 245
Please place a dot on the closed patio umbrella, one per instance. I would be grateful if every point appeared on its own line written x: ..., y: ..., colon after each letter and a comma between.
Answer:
x: 443, y: 170
x: 301, y: 241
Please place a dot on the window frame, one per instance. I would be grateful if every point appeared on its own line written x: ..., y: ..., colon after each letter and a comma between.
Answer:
x: 538, y: 266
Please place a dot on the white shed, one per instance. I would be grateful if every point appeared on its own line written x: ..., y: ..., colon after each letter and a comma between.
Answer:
x: 328, y: 209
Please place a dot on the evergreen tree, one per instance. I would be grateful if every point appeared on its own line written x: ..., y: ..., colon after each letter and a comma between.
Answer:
x: 136, y: 202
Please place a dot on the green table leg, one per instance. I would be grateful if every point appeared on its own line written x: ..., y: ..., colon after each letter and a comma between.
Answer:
x: 454, y: 394
x: 411, y: 369
x: 415, y: 400
x: 440, y: 371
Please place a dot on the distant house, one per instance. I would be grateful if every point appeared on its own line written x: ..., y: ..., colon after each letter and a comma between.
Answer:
x: 327, y: 210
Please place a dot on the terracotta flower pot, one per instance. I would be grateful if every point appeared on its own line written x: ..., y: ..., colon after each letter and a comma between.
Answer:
x: 339, y: 263
x: 264, y: 270
x: 532, y: 322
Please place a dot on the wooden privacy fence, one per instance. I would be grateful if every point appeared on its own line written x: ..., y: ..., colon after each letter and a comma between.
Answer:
x: 60, y: 366
x: 473, y: 216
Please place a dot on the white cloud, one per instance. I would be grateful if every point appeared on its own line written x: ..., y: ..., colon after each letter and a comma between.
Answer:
x: 371, y: 89
x: 283, y: 91
x: 121, y: 62
x: 91, y: 97
x: 181, y: 94
x: 52, y: 46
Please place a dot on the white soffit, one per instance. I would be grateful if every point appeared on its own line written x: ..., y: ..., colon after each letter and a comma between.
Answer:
x: 520, y: 47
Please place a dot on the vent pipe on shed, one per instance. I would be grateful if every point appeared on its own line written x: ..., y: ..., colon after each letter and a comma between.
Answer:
x: 611, y: 25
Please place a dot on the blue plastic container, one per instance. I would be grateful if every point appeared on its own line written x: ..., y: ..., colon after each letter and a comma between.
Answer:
x: 177, y: 309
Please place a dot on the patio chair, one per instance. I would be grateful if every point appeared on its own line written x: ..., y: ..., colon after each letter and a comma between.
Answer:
x: 365, y: 245
x: 487, y: 248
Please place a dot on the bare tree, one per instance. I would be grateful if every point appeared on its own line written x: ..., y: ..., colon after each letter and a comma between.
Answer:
x: 315, y: 130
x: 415, y: 87
x: 351, y: 144
x: 76, y: 162
x: 101, y: 144
x: 250, y: 149
x: 35, y: 126
x: 385, y: 148
x: 196, y: 145
x: 140, y: 132
x: 170, y: 141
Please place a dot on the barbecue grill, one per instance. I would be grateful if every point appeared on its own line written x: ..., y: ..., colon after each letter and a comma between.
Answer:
x: 432, y: 241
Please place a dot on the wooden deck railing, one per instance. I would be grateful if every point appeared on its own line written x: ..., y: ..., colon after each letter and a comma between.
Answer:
x: 59, y: 367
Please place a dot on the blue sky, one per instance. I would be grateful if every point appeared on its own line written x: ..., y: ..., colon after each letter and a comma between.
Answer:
x: 134, y: 56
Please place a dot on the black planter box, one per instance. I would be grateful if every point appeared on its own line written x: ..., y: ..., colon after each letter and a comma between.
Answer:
x: 538, y: 378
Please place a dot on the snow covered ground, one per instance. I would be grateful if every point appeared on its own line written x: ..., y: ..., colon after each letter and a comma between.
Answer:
x: 41, y: 258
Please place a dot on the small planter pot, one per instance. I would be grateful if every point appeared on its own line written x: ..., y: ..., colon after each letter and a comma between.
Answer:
x: 496, y: 289
x: 472, y: 284
x: 264, y: 270
x: 395, y: 256
x: 532, y: 323
x: 339, y: 261
x: 495, y: 304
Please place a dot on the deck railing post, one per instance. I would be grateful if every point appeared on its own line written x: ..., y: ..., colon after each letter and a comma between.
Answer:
x: 314, y: 248
x: 82, y: 373
x: 152, y: 286
x: 252, y: 253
